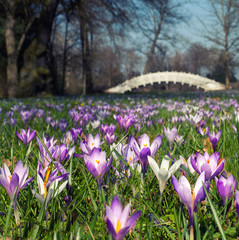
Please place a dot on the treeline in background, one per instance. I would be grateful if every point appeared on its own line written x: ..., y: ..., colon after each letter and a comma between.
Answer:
x: 63, y: 47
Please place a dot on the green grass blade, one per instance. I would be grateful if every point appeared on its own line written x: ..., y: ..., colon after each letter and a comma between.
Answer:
x: 214, y: 214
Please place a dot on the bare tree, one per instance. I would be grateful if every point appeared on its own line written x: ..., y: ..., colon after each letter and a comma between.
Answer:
x: 131, y: 63
x: 36, y: 18
x: 224, y: 30
x: 196, y: 58
x: 99, y: 17
x: 177, y: 62
x: 159, y: 16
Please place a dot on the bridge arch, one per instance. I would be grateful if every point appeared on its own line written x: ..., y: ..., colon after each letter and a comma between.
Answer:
x: 160, y: 77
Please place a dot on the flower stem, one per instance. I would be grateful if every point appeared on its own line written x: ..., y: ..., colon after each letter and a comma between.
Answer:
x: 16, y: 214
x: 160, y: 202
x: 191, y: 233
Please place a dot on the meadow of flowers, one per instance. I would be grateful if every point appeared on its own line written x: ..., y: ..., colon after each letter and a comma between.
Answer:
x: 120, y: 166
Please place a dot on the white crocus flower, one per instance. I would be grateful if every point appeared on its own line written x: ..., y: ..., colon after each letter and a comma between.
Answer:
x: 47, y: 194
x: 164, y: 172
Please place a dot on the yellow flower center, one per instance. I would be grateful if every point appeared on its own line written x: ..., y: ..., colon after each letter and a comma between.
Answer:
x: 97, y: 161
x: 10, y: 177
x: 208, y: 161
x: 46, y: 180
x: 184, y: 161
x: 118, y: 226
x: 127, y: 171
x: 193, y: 196
x: 145, y: 145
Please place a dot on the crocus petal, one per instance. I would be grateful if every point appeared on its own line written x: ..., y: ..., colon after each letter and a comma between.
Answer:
x: 218, y: 169
x: 91, y: 169
x: 208, y: 172
x: 200, y: 161
x: 59, y: 189
x: 5, y: 183
x: 194, y: 165
x: 134, y: 145
x: 144, y: 141
x: 110, y: 215
x: 153, y: 164
x: 122, y: 232
x: 38, y: 197
x: 40, y: 184
x: 199, y: 190
x: 6, y: 172
x: 60, y: 168
x: 163, y: 175
x: 175, y: 183
x: 31, y: 136
x: 237, y: 201
x: 164, y: 164
x: 116, y: 207
x: 20, y: 170
x: 132, y: 220
x: 155, y: 145
x: 14, y: 182
x: 125, y: 215
x: 111, y: 228
x: 19, y: 136
x: 223, y: 191
x: 26, y: 182
x: 144, y: 153
x: 175, y: 167
x: 184, y: 192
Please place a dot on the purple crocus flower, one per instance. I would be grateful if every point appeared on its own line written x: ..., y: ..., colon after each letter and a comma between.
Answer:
x: 170, y: 135
x: 214, y: 138
x: 237, y: 201
x: 13, y: 121
x: 110, y: 129
x: 117, y: 219
x: 97, y: 164
x: 26, y: 115
x: 212, y: 165
x: 128, y: 155
x: 203, y: 131
x: 225, y: 185
x: 62, y: 153
x: 234, y: 128
x: 68, y: 139
x: 110, y: 138
x: 76, y: 132
x: 63, y: 125
x: 14, y: 182
x: 90, y: 143
x: 144, y: 149
x: 125, y: 122
x: 191, y: 198
x: 50, y: 144
x: 26, y: 136
x: 47, y: 181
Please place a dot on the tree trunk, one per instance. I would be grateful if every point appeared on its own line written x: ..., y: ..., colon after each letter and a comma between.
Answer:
x: 156, y: 34
x: 86, y: 63
x: 227, y: 78
x: 12, y: 73
x: 151, y: 52
x: 36, y: 74
x: 62, y: 88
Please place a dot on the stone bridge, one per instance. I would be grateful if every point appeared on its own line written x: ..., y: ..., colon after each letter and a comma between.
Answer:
x: 166, y: 77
